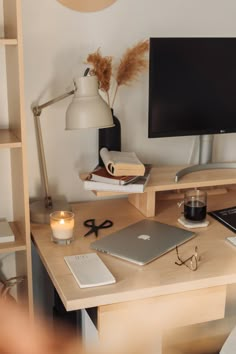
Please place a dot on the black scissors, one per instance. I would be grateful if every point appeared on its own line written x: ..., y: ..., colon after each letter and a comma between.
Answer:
x: 94, y: 228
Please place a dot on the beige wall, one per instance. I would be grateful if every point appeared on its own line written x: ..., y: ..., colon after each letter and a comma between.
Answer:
x: 56, y: 43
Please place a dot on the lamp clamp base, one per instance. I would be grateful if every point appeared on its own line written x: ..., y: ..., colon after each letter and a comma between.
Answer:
x: 48, y: 202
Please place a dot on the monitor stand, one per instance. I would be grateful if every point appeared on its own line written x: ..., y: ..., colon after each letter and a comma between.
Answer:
x: 205, y: 158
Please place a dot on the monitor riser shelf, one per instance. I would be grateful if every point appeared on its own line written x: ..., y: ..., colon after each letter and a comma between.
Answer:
x: 162, y: 179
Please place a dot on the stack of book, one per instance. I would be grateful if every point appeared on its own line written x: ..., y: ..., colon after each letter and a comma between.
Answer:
x: 122, y: 172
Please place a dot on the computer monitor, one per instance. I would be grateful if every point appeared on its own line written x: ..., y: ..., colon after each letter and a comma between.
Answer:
x: 192, y: 87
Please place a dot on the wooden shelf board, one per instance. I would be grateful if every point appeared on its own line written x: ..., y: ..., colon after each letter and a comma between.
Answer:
x: 17, y: 245
x: 10, y: 247
x: 8, y: 41
x: 163, y: 179
x: 8, y: 139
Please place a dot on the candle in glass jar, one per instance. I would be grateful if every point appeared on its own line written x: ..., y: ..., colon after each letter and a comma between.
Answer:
x: 62, y: 225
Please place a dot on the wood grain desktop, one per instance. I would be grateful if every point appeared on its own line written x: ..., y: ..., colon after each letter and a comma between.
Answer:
x: 161, y: 287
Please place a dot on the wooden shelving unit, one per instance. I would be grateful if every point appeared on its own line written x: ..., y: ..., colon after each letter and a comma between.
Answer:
x: 13, y: 138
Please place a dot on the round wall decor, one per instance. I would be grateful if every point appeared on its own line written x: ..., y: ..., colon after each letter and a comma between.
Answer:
x: 87, y: 5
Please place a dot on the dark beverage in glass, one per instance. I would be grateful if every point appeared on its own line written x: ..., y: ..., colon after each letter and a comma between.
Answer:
x: 195, y: 205
x: 195, y: 210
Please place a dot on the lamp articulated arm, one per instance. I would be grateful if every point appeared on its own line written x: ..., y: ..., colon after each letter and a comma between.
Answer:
x: 37, y: 110
x: 86, y: 110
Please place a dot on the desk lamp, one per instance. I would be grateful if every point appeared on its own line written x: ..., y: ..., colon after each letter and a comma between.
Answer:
x: 87, y: 110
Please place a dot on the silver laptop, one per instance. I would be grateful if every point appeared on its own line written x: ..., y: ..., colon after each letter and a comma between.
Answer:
x: 143, y: 241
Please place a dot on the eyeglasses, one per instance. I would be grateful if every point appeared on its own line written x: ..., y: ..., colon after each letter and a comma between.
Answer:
x: 191, y: 262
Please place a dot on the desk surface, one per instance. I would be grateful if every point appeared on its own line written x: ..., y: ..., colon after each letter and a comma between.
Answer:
x: 160, y: 277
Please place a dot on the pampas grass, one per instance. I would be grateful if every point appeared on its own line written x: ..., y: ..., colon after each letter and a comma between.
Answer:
x: 131, y: 64
x: 102, y: 68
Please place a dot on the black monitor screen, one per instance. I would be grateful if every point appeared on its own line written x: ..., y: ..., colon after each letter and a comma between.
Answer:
x: 192, y: 86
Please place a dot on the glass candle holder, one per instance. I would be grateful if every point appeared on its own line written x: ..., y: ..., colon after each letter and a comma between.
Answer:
x: 62, y: 225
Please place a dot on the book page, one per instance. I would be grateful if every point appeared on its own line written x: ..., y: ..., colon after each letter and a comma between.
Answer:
x: 104, y: 153
x: 120, y: 163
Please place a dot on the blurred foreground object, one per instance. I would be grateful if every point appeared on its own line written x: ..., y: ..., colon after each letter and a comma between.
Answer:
x: 19, y: 335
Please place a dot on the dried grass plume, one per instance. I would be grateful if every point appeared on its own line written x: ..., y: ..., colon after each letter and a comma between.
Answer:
x: 102, y: 68
x: 131, y: 64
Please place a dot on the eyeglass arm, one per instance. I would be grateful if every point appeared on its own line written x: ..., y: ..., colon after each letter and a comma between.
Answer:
x: 37, y: 110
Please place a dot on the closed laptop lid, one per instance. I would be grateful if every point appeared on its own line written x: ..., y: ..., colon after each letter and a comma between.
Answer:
x: 143, y: 241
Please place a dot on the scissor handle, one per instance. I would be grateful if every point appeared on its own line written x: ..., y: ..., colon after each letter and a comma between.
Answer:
x: 106, y: 224
x: 89, y: 222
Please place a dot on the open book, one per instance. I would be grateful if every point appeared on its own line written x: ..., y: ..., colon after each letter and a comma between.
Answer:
x: 120, y: 163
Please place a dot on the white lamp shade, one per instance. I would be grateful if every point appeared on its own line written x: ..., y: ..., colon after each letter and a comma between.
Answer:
x: 88, y: 109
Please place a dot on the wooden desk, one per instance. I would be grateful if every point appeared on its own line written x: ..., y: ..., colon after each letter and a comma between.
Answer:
x: 160, y: 294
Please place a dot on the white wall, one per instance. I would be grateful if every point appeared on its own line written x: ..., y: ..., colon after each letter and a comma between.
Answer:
x: 57, y: 40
